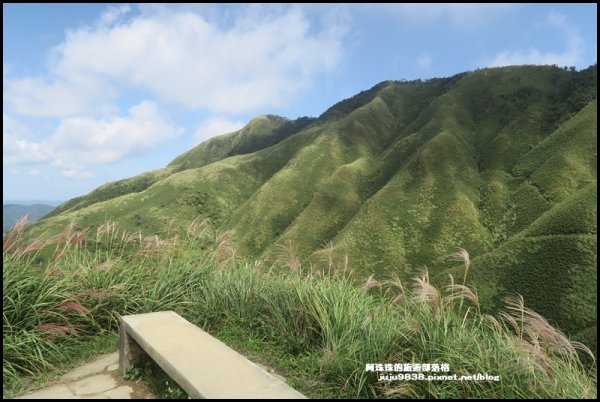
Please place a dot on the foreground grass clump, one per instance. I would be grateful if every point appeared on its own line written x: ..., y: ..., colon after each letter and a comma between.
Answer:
x: 315, y: 326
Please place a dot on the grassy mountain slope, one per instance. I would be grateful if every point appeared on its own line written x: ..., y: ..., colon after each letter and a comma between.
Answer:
x: 553, y: 259
x: 258, y: 133
x: 501, y: 162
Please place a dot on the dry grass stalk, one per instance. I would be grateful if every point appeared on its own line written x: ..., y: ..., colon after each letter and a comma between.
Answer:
x: 329, y: 354
x: 14, y: 235
x: 104, y: 265
x: 371, y: 282
x: 465, y: 318
x: 424, y: 292
x: 108, y: 230
x: 65, y: 235
x: 583, y: 348
x: 537, y: 327
x: 512, y: 322
x: 199, y: 228
x: 73, y: 306
x: 396, y: 282
x: 131, y: 238
x: 96, y: 294
x: 462, y: 255
x: 535, y: 356
x: 224, y: 251
x: 154, y: 244
x: 55, y: 328
x: 286, y: 256
x: 459, y: 292
x: 494, y: 321
x: 60, y: 255
x: 328, y: 253
x: 36, y: 244
x: 367, y: 320
x: 399, y: 299
x: 345, y: 264
x: 403, y: 390
x: 78, y: 238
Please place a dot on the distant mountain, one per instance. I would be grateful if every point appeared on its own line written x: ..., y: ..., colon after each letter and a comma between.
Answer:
x: 52, y: 203
x: 501, y: 162
x: 11, y: 213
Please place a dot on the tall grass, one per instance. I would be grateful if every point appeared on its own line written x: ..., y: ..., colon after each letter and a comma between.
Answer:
x: 62, y: 290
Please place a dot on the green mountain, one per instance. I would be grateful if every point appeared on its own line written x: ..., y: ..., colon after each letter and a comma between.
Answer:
x: 500, y: 162
x: 11, y: 213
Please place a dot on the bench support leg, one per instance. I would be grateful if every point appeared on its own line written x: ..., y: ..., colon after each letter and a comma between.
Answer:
x: 130, y: 353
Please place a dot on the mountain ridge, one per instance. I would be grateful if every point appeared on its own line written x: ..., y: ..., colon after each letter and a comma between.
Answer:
x: 398, y: 177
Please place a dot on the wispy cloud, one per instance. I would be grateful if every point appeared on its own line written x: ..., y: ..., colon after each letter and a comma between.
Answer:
x: 571, y: 56
x: 16, y: 144
x: 112, y: 15
x: 81, y: 141
x: 261, y: 58
x: 424, y: 61
x: 221, y: 60
x: 58, y: 96
x: 215, y: 126
x: 463, y: 16
x: 109, y: 140
x: 76, y: 173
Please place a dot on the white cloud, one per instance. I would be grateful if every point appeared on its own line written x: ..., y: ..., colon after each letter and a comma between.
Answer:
x: 36, y: 96
x: 82, y: 141
x: 22, y: 151
x: 261, y: 58
x: 216, y: 126
x: 16, y: 147
x: 475, y: 15
x: 424, y: 61
x: 113, y: 14
x: 571, y: 56
x: 76, y: 173
x: 12, y: 127
x: 87, y: 140
x: 464, y: 16
x: 231, y: 60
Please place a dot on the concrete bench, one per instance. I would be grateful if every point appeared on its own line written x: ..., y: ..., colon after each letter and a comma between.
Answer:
x: 202, y: 365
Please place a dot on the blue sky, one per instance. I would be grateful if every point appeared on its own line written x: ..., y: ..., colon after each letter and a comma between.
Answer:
x: 98, y: 92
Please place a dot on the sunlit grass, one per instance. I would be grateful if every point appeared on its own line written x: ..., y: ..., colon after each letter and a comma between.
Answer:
x: 316, y: 325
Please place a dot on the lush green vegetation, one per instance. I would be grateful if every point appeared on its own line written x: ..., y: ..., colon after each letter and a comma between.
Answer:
x: 157, y: 381
x: 252, y: 143
x: 499, y: 161
x: 262, y: 131
x: 310, y: 323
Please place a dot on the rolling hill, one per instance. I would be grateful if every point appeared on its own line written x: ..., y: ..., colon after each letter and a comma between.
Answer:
x: 501, y: 162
